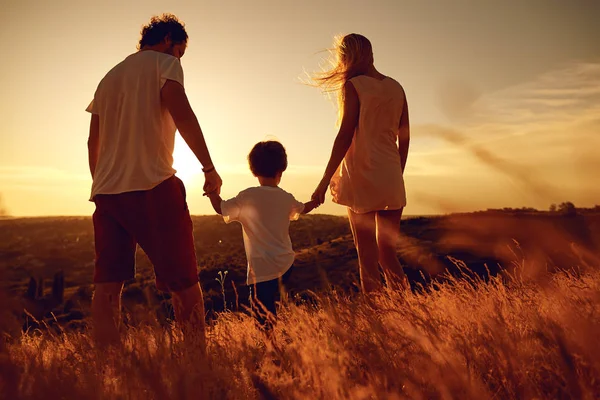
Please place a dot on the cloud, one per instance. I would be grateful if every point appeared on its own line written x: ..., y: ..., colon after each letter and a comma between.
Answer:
x: 532, y: 144
x: 520, y: 173
x: 23, y: 174
x: 542, y: 136
x: 33, y: 190
x: 571, y: 93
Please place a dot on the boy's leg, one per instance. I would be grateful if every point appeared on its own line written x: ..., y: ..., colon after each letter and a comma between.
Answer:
x: 365, y: 239
x: 284, y: 285
x: 264, y: 295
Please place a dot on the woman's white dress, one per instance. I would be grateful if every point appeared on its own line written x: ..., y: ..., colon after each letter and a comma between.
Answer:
x: 370, y: 176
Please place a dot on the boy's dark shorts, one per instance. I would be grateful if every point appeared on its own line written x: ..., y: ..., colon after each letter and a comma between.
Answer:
x: 159, y: 221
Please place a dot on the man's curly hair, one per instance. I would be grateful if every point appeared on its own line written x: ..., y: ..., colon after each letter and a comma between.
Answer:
x: 160, y: 27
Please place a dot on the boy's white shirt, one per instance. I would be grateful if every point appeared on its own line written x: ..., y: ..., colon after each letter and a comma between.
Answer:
x: 265, y: 213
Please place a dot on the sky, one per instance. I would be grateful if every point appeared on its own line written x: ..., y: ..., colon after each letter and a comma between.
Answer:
x: 504, y: 97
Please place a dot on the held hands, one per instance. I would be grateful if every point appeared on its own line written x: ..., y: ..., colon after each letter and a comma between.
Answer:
x: 319, y: 193
x: 212, y: 182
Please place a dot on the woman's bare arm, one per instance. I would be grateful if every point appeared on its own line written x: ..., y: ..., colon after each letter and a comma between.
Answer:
x: 343, y: 139
x: 404, y: 135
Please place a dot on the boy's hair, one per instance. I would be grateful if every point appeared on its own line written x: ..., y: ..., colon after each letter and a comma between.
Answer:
x: 267, y: 159
x: 161, y: 27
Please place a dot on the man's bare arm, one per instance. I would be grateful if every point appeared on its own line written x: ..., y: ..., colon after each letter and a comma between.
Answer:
x: 174, y: 98
x: 93, y: 143
x: 404, y: 135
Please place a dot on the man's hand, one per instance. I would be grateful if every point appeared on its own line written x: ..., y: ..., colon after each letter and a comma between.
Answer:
x: 212, y: 182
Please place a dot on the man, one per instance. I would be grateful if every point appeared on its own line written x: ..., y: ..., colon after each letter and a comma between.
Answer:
x: 136, y: 109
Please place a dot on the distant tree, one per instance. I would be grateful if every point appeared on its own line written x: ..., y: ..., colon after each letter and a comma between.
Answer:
x: 3, y: 211
x: 528, y: 209
x: 553, y: 207
x: 567, y: 208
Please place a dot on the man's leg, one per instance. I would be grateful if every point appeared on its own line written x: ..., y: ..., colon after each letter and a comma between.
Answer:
x: 365, y: 239
x: 106, y: 312
x: 115, y: 263
x: 188, y: 305
x: 388, y: 235
x: 163, y: 228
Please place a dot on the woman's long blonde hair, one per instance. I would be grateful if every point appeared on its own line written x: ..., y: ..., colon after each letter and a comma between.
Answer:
x: 351, y: 55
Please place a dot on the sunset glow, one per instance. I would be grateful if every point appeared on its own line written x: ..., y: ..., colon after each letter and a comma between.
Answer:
x: 504, y: 99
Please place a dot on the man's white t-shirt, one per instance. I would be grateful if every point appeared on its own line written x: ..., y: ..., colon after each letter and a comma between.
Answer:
x: 137, y: 133
x: 265, y: 213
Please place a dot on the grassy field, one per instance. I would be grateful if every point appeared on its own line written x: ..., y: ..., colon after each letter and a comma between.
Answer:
x: 462, y: 340
x: 515, y: 315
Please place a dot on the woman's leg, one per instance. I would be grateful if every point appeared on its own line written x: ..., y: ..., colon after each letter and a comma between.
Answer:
x: 388, y: 236
x: 365, y: 239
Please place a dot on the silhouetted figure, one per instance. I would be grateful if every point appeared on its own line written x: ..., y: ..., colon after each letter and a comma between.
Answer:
x: 58, y: 287
x: 136, y: 109
x: 31, y: 288
x: 265, y: 213
x: 40, y: 305
x: 365, y: 170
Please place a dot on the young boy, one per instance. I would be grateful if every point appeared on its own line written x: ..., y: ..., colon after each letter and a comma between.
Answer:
x: 265, y: 213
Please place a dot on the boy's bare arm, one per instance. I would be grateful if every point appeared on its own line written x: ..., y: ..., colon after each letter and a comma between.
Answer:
x: 215, y: 200
x: 309, y: 206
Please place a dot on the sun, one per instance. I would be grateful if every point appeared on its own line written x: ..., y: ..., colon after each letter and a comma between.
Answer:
x: 184, y: 161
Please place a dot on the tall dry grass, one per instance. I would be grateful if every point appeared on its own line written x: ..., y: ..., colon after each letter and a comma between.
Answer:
x: 462, y: 340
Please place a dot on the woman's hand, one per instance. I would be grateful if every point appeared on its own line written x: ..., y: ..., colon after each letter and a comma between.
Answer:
x: 319, y: 193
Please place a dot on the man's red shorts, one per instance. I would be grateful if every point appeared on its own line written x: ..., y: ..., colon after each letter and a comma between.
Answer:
x: 159, y: 221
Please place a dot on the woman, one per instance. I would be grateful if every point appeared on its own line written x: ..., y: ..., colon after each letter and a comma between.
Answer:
x: 368, y: 157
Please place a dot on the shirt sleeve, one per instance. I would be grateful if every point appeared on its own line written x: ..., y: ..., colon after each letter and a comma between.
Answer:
x: 356, y: 82
x: 170, y: 69
x: 296, y: 209
x: 92, y: 109
x: 231, y: 209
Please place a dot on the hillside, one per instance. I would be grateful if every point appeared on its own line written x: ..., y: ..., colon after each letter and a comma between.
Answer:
x: 481, y: 243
